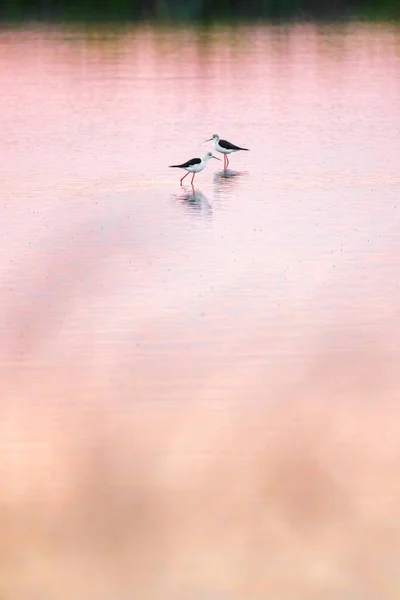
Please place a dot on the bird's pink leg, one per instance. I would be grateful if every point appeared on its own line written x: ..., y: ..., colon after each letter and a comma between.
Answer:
x: 227, y: 161
x: 192, y: 179
x: 184, y: 177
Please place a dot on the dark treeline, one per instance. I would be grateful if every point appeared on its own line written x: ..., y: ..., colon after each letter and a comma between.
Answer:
x: 197, y: 9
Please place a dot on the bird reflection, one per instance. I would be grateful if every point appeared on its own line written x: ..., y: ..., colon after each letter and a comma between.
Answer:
x: 196, y: 201
x: 221, y: 176
x: 226, y: 180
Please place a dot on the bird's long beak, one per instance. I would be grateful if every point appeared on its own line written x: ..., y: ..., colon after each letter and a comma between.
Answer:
x: 210, y: 140
x: 215, y: 157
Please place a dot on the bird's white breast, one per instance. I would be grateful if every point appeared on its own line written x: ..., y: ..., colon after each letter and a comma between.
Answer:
x: 196, y: 168
x: 222, y: 150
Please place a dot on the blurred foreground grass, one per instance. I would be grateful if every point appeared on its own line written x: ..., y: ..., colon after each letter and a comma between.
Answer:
x: 291, y: 494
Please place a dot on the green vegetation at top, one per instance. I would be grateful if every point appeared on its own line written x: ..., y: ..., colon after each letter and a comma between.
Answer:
x: 199, y: 10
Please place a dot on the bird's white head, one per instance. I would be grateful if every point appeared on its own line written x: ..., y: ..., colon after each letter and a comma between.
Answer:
x: 210, y: 155
x: 215, y: 137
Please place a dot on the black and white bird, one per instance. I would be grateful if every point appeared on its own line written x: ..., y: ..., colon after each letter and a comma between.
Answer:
x: 224, y: 147
x: 194, y: 165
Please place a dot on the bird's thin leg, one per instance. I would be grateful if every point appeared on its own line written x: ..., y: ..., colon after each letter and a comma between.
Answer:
x: 193, y: 179
x: 227, y: 161
x: 184, y: 177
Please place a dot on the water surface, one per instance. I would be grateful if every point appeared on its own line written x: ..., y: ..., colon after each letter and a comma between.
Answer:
x: 156, y: 339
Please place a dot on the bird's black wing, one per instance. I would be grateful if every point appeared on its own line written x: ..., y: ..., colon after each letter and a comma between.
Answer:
x: 189, y: 163
x: 228, y: 146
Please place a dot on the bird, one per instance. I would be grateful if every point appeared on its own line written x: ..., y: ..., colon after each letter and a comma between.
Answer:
x: 225, y: 147
x: 194, y: 165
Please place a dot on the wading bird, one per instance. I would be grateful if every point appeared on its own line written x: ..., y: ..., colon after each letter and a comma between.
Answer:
x: 224, y: 147
x: 194, y: 165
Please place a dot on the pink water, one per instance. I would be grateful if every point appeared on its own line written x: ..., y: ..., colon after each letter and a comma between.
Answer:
x: 199, y: 392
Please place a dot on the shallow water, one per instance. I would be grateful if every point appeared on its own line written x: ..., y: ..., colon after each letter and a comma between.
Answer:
x: 272, y: 287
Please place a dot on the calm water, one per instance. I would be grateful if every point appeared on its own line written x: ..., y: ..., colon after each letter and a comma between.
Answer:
x: 158, y: 347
